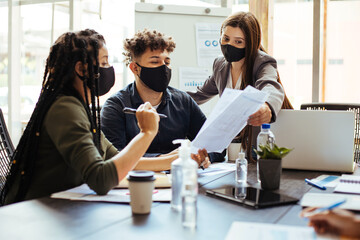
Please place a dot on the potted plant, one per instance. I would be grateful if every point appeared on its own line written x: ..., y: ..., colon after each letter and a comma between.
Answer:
x: 270, y: 165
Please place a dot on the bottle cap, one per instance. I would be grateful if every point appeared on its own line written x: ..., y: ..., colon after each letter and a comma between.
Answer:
x: 265, y: 126
x: 241, y: 155
x: 185, y: 148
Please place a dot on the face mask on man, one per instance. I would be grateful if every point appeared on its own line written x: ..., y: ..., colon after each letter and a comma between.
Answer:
x: 231, y: 53
x: 106, y: 80
x: 157, y: 78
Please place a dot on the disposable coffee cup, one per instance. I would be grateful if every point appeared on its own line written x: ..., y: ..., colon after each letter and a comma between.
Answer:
x: 141, y: 186
x: 233, y: 151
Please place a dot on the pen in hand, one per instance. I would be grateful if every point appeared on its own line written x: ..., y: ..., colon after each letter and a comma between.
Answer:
x: 202, y: 164
x: 128, y: 110
x: 323, y: 209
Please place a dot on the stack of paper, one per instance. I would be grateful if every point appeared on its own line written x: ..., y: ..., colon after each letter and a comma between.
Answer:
x: 162, y: 180
x: 259, y: 231
x: 348, y: 184
x: 84, y: 193
x: 228, y: 118
x: 325, y: 199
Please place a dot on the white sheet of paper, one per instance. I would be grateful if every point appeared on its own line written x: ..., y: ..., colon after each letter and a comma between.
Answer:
x: 259, y: 231
x: 207, y: 43
x: 217, y: 168
x: 228, y: 118
x: 325, y: 199
x: 84, y: 193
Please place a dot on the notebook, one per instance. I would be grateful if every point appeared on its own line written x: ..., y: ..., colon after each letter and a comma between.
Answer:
x: 321, y: 140
x: 325, y: 199
x: 348, y: 184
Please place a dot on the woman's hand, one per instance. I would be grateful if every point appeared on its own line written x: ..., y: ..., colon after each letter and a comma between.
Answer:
x: 263, y: 115
x: 202, y: 158
x: 148, y: 119
x: 339, y: 222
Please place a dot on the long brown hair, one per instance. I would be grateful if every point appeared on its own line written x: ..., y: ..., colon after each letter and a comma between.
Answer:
x: 250, y: 26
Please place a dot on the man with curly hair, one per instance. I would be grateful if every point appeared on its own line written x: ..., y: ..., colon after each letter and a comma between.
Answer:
x: 148, y: 56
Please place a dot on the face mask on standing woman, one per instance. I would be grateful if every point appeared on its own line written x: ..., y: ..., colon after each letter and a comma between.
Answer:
x: 231, y: 53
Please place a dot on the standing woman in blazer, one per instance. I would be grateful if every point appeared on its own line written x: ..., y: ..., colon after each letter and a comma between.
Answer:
x: 244, y: 63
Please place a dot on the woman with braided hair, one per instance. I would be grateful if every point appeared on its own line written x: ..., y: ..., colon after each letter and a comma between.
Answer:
x: 62, y: 146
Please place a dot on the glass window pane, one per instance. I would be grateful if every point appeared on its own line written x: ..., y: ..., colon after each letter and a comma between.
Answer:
x: 342, y: 52
x: 4, y: 60
x: 115, y: 21
x: 36, y: 42
x: 293, y: 40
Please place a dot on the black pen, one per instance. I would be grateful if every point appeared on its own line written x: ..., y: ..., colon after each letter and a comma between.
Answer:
x: 133, y: 111
x: 201, y: 165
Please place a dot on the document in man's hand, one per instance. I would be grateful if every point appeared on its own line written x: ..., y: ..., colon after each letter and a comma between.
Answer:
x: 228, y: 118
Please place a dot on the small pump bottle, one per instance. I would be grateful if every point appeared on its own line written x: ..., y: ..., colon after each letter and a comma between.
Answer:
x: 177, y: 173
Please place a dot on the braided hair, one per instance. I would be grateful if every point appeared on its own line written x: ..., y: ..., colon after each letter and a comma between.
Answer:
x: 69, y: 48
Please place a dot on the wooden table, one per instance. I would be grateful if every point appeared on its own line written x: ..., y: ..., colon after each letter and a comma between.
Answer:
x: 48, y: 218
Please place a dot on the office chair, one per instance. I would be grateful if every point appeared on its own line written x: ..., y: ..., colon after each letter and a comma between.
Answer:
x: 6, y: 151
x: 345, y: 107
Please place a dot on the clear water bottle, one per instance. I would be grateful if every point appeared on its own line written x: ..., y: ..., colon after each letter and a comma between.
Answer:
x: 241, y: 169
x: 189, y: 193
x: 265, y: 137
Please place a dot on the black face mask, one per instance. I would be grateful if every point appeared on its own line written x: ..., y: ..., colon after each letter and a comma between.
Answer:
x: 157, y: 78
x: 231, y: 53
x: 105, y: 82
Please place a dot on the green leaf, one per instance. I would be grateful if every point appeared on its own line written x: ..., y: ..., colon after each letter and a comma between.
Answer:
x: 268, y: 152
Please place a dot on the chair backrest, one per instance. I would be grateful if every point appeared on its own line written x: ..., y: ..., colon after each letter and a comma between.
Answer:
x: 341, y: 106
x: 6, y: 151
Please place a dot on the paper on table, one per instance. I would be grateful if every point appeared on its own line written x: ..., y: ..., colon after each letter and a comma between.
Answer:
x: 162, y: 180
x: 348, y: 184
x: 326, y: 180
x: 217, y: 168
x: 325, y: 199
x: 249, y: 230
x: 228, y: 118
x: 84, y: 193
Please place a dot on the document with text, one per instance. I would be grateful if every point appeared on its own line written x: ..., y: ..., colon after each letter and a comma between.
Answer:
x: 228, y: 118
x: 259, y: 231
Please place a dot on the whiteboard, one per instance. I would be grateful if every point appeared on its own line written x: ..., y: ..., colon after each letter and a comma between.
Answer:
x: 180, y: 23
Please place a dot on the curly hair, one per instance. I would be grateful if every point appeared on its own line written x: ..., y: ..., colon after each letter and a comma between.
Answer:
x: 68, y: 49
x: 136, y: 46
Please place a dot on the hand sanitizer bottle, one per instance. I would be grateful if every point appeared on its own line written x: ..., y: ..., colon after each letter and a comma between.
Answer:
x: 177, y: 173
x: 189, y: 192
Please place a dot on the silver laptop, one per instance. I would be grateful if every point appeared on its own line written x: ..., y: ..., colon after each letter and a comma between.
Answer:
x: 322, y: 140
